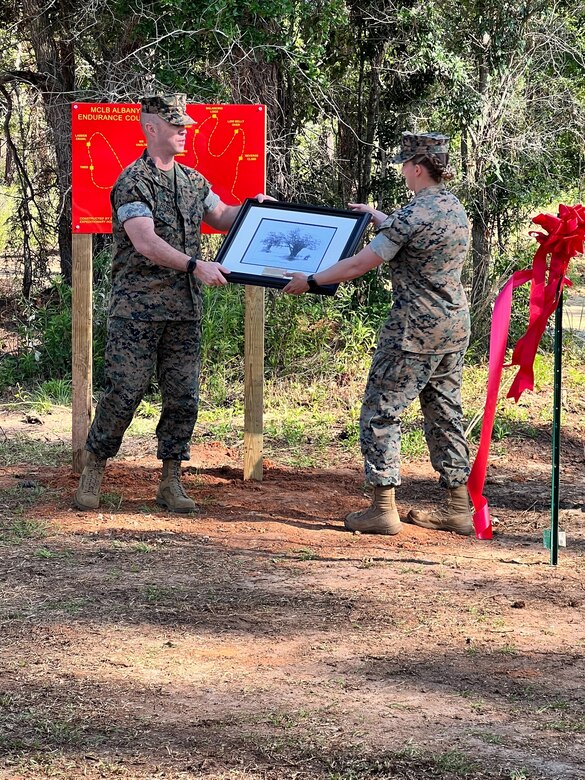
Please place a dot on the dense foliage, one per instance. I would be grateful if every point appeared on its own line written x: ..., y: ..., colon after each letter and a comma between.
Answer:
x: 340, y: 78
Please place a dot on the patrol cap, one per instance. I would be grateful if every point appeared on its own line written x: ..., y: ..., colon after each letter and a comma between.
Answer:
x: 421, y: 143
x: 171, y: 108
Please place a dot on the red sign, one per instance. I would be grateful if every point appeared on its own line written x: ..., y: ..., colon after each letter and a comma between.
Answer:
x: 226, y: 144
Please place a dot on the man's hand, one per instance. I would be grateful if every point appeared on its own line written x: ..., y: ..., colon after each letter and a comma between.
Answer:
x: 211, y: 274
x: 297, y: 285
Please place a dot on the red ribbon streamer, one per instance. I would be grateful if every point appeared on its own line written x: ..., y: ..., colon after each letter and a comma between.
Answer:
x: 564, y: 238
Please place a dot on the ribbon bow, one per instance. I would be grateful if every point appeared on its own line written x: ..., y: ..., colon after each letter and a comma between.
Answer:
x: 564, y: 238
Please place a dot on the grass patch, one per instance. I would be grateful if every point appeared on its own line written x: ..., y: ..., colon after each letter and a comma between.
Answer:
x: 488, y: 737
x: 410, y: 762
x: 564, y: 725
x: 148, y: 410
x: 68, y: 606
x: 306, y: 554
x: 45, y: 554
x: 155, y: 594
x: 142, y: 426
x: 413, y: 444
x: 575, y: 377
x: 111, y: 500
x: 15, y: 526
x: 19, y: 529
x: 21, y: 449
x: 46, y: 395
x: 132, y: 547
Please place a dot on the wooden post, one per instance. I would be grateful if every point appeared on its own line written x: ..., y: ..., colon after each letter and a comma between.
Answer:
x: 81, y: 360
x: 253, y: 382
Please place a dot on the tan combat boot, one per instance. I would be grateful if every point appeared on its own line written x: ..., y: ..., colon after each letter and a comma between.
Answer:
x: 456, y: 516
x: 380, y: 518
x: 171, y: 493
x: 90, y: 482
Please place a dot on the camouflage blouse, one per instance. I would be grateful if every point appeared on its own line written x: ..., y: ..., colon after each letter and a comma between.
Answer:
x: 142, y: 290
x: 425, y: 244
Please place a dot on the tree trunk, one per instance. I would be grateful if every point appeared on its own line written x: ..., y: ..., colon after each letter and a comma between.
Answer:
x: 481, y: 262
x: 267, y: 83
x: 55, y: 60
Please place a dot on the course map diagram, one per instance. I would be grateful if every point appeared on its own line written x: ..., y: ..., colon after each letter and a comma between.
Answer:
x: 226, y: 144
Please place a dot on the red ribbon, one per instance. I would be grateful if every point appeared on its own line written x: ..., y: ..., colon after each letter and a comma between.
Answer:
x: 564, y: 238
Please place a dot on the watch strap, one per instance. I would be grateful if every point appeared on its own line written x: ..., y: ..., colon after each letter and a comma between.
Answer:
x: 313, y: 286
x: 191, y: 265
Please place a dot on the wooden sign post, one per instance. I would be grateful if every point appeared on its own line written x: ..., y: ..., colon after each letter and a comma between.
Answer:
x: 81, y: 359
x: 253, y: 383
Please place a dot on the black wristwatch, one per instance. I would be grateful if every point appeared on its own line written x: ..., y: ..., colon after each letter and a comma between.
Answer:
x: 191, y: 265
x: 313, y: 286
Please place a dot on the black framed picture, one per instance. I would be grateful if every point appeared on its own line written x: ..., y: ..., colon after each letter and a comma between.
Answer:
x: 270, y: 240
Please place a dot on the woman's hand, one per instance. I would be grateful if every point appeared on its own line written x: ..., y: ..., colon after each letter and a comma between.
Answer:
x: 297, y: 285
x: 363, y: 208
x: 261, y: 197
x: 377, y: 216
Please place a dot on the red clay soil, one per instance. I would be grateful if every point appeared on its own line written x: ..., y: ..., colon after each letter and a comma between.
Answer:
x: 258, y: 639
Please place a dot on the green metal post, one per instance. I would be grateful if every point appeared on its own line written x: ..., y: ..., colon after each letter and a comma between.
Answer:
x: 556, y: 435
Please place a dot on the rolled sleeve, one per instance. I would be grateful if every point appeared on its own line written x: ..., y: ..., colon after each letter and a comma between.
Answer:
x: 391, y: 236
x: 384, y: 248
x: 211, y: 201
x: 135, y: 209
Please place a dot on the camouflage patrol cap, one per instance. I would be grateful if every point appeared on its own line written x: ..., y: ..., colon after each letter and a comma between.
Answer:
x: 171, y: 108
x: 423, y: 143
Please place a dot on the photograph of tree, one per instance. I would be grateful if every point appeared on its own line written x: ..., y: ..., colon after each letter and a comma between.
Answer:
x: 291, y: 246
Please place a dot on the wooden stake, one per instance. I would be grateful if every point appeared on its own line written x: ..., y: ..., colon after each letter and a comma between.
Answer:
x: 81, y: 361
x: 253, y: 382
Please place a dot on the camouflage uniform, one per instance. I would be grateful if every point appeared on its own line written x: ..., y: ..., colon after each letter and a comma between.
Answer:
x: 155, y: 312
x: 421, y: 345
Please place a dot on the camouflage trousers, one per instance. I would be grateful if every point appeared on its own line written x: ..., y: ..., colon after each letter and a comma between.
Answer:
x: 134, y: 350
x: 396, y: 378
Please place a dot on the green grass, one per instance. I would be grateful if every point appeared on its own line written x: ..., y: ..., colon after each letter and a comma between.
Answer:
x: 15, y: 525
x: 575, y: 377
x: 111, y: 500
x: 488, y: 737
x: 413, y: 444
x: 410, y: 762
x: 155, y: 594
x: 306, y: 554
x: 19, y: 529
x: 43, y: 397
x: 564, y: 725
x: 132, y: 547
x: 53, y: 392
x: 508, y: 650
x: 22, y: 449
x: 148, y: 409
x: 311, y: 421
x: 46, y: 554
x: 142, y: 426
x: 70, y: 606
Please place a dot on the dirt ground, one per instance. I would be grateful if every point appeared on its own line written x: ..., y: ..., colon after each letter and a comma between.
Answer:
x: 258, y: 639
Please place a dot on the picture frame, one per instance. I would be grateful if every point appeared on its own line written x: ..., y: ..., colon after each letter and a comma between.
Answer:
x: 270, y: 239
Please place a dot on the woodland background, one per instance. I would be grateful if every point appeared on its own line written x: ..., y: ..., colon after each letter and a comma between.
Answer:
x: 341, y: 80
